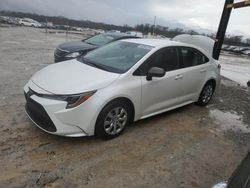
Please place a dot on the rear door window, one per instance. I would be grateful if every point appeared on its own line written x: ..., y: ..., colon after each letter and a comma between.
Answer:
x: 190, y: 57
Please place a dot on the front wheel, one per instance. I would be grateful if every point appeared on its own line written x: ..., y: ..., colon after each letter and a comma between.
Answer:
x: 206, y: 94
x: 113, y: 120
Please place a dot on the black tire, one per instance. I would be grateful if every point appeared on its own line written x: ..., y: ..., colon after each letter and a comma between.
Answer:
x: 206, y: 94
x: 103, y: 117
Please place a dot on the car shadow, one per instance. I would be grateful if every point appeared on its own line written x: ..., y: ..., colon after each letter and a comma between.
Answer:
x: 94, y: 140
x: 164, y: 115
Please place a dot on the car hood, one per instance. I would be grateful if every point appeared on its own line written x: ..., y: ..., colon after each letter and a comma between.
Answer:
x: 75, y: 46
x: 72, y: 77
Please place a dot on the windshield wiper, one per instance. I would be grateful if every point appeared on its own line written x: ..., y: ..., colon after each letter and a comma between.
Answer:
x: 94, y: 64
x: 100, y: 66
x: 89, y: 43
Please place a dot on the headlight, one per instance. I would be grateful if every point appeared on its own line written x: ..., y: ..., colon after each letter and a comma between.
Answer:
x: 73, y: 55
x: 72, y: 100
x: 76, y: 100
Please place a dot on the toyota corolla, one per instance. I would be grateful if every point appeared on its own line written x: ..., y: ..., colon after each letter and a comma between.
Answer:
x: 115, y: 85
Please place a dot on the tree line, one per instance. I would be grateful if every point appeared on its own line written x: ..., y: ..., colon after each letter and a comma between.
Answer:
x: 237, y: 41
x: 60, y: 20
x: 144, y: 28
x: 161, y: 30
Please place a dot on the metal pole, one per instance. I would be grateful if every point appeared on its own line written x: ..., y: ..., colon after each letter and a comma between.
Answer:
x: 154, y: 26
x: 67, y: 30
x: 222, y: 29
x: 46, y: 26
x: 240, y: 4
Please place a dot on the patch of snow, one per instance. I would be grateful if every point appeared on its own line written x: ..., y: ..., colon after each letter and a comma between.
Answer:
x: 221, y: 185
x: 236, y: 69
x: 229, y: 121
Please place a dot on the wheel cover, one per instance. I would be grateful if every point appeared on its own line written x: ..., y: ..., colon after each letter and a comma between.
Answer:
x: 207, y: 93
x: 115, y: 121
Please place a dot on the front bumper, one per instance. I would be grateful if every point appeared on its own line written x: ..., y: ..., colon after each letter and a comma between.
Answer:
x: 37, y: 113
x: 52, y: 116
x: 60, y: 55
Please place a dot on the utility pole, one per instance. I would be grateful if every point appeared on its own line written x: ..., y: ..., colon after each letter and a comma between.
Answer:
x: 222, y: 29
x: 46, y: 26
x: 154, y: 26
x: 229, y: 5
x: 67, y: 30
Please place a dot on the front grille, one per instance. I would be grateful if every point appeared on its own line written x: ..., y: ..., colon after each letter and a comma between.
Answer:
x: 60, y: 52
x: 38, y: 114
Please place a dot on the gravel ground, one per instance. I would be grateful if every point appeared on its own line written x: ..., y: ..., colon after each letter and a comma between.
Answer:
x: 188, y: 147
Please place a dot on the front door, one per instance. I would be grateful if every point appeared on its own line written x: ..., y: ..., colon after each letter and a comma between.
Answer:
x: 161, y: 93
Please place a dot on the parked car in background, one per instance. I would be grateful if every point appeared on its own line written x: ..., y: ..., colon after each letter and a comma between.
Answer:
x: 103, y: 91
x: 74, y: 49
x: 135, y: 33
x: 48, y: 25
x: 246, y: 52
x: 236, y: 49
x: 240, y: 178
x: 244, y: 49
x: 231, y: 48
x: 225, y: 47
x: 8, y: 20
x: 29, y: 22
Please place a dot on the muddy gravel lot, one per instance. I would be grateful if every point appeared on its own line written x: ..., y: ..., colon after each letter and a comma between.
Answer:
x: 189, y: 147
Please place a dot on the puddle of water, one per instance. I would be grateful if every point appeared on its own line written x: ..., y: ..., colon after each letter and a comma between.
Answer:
x: 229, y: 121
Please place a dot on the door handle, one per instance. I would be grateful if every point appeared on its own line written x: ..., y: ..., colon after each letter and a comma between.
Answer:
x: 178, y: 77
x: 203, y: 70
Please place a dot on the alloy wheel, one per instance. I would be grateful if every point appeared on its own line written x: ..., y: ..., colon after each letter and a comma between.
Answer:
x: 115, y: 121
x: 207, y: 93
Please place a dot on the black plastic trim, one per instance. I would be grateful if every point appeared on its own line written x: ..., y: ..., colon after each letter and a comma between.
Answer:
x: 38, y: 114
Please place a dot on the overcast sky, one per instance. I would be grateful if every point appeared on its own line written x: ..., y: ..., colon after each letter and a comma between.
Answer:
x: 191, y: 13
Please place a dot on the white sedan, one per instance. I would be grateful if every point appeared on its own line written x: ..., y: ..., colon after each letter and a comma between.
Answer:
x: 125, y: 81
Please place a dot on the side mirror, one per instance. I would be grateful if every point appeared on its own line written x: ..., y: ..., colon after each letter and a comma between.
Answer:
x: 155, y: 72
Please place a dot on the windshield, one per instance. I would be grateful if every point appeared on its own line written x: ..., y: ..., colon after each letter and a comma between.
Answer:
x: 99, y: 40
x: 117, y: 57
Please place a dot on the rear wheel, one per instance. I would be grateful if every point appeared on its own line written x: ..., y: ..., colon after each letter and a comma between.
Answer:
x: 113, y: 120
x: 206, y: 94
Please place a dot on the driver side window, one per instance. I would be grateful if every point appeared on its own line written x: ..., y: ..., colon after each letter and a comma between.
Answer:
x: 165, y: 58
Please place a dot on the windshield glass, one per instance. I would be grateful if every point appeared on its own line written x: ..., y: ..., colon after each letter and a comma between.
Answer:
x: 117, y: 57
x: 99, y: 40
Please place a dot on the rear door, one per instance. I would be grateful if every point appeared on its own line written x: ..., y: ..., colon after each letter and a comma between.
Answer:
x: 193, y: 66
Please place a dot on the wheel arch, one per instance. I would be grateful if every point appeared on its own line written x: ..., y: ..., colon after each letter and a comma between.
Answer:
x: 123, y: 99
x: 211, y: 80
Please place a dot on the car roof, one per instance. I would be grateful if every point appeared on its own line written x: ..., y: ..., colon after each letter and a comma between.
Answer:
x: 120, y: 35
x: 161, y: 43
x: 155, y: 42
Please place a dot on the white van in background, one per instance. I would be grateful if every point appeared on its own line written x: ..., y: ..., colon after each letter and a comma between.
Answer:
x: 135, y: 33
x: 29, y: 22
